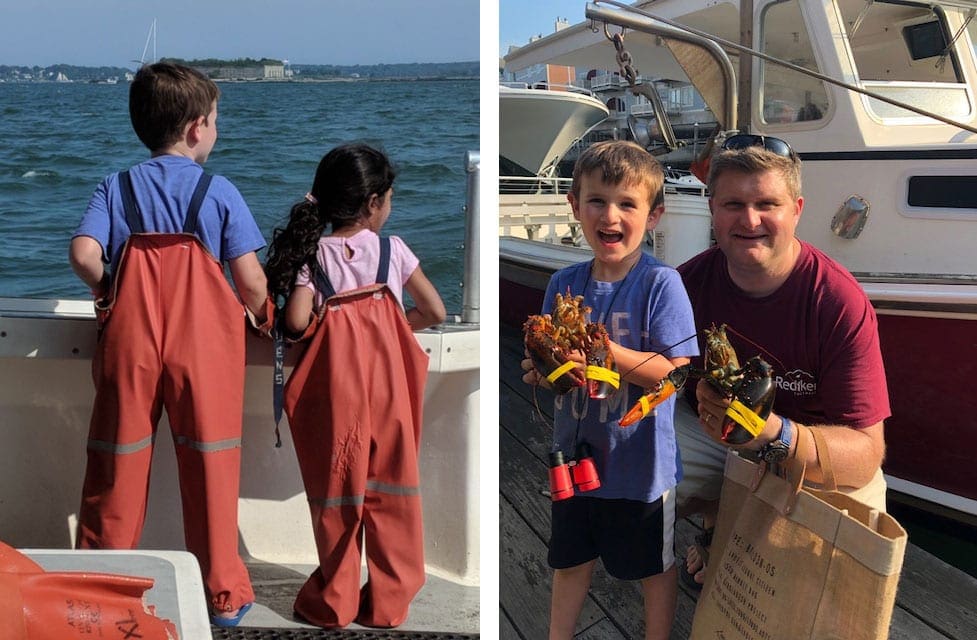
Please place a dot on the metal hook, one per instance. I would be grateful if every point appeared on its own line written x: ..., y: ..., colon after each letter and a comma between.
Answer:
x: 610, y: 37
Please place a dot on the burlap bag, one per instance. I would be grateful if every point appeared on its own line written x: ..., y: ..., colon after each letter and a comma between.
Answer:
x: 793, y: 564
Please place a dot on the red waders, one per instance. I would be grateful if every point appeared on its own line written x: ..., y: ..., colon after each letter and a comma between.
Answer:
x: 175, y: 339
x: 354, y: 407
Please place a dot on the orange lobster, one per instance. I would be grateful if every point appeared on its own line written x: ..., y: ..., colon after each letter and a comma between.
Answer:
x: 550, y: 338
x: 750, y: 387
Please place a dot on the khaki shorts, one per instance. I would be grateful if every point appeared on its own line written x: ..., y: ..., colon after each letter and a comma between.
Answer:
x: 703, y: 462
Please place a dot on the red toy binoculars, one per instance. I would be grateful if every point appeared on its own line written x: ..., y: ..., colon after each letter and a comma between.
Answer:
x: 579, y: 472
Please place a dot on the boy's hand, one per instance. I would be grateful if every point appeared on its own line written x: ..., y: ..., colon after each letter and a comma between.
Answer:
x: 532, y: 376
x: 535, y: 378
x: 101, y: 289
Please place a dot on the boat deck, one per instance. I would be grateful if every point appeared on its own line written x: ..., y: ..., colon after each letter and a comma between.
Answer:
x: 443, y: 608
x: 935, y: 600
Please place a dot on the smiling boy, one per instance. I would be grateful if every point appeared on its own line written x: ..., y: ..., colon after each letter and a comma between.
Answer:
x: 628, y: 522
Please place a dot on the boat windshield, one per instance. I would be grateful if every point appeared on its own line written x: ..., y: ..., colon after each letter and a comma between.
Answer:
x: 900, y: 49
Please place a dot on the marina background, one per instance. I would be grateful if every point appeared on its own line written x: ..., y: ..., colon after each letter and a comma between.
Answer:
x: 60, y: 140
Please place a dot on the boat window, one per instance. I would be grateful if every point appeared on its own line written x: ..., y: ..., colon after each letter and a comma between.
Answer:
x: 789, y: 96
x: 905, y: 51
x: 898, y: 41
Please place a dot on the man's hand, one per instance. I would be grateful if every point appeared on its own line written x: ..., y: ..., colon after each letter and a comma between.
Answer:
x: 712, y: 412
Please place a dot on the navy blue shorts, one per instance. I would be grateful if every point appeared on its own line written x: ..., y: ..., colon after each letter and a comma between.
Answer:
x: 634, y: 540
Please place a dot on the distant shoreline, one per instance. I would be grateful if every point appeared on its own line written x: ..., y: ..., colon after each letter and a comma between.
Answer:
x: 289, y: 73
x: 263, y: 80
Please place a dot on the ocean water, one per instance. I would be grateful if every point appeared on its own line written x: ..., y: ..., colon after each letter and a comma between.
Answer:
x: 57, y: 141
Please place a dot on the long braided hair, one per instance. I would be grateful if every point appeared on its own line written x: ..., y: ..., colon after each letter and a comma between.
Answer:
x: 344, y: 181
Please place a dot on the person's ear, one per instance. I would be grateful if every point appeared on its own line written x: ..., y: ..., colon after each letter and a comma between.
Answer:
x: 374, y: 203
x: 193, y: 129
x: 654, y: 216
x: 574, y: 204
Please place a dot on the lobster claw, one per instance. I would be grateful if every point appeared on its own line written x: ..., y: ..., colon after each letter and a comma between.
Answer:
x: 666, y: 387
x: 602, y: 379
x: 751, y: 404
x: 563, y: 375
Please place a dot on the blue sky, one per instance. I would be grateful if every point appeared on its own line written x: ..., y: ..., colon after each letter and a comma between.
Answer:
x: 521, y: 19
x: 114, y: 32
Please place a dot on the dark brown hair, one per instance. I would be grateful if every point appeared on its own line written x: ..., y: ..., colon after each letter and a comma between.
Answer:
x: 621, y: 162
x: 164, y: 97
x: 344, y: 181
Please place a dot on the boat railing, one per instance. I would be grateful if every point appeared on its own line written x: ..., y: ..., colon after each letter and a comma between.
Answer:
x: 607, y: 81
x: 534, y: 185
x: 536, y: 208
x: 553, y: 86
x: 545, y: 217
x: 471, y: 283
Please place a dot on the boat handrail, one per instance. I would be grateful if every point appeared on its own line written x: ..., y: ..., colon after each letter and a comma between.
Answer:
x: 552, y: 86
x: 656, y: 25
x: 471, y: 283
x: 534, y: 184
x: 666, y: 29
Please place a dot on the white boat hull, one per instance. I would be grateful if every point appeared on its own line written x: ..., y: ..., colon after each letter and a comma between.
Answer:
x: 528, y: 116
x: 46, y: 396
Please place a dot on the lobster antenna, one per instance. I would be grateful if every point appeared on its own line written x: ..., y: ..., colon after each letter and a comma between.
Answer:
x: 656, y: 354
x: 758, y: 347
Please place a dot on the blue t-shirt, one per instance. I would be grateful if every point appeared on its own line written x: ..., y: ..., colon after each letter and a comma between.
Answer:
x: 163, y: 186
x: 650, y: 311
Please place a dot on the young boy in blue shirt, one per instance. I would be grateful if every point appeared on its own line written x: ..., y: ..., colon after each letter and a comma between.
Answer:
x: 151, y: 246
x: 629, y: 520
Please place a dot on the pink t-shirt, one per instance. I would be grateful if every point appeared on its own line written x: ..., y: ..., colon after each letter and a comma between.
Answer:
x: 357, y: 267
x: 818, y: 330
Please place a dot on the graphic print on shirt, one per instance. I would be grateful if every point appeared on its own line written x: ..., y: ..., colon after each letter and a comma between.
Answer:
x: 617, y: 403
x: 797, y: 382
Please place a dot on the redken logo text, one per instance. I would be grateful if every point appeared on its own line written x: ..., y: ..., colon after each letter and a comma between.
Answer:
x: 797, y: 382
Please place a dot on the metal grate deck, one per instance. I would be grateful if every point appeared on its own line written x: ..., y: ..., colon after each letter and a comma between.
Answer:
x: 266, y: 633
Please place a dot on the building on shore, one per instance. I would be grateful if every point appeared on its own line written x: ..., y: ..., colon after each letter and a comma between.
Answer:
x: 263, y: 71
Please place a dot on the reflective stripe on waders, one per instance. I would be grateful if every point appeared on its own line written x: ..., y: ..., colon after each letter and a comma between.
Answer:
x: 371, y: 485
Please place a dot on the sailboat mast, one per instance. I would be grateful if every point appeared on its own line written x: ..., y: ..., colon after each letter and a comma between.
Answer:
x: 151, y: 36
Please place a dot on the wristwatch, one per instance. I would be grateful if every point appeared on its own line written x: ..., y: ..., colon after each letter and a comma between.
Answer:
x: 777, y: 450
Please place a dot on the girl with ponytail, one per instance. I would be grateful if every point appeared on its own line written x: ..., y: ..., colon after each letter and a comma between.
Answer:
x: 354, y: 400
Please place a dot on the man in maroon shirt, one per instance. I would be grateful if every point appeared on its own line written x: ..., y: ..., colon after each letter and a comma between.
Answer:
x: 798, y: 309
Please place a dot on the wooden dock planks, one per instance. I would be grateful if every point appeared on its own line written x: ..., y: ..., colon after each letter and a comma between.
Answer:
x: 935, y: 600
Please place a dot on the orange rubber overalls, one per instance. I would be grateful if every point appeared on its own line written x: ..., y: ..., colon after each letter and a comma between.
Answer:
x: 74, y: 605
x: 174, y: 339
x: 354, y: 408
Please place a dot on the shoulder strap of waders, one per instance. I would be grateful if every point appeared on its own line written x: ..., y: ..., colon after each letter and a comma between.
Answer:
x: 190, y: 223
x: 324, y: 286
x: 278, y: 381
x: 134, y: 216
x: 384, y: 269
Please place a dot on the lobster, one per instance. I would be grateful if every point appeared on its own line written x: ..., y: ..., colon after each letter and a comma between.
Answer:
x: 750, y: 388
x: 550, y: 338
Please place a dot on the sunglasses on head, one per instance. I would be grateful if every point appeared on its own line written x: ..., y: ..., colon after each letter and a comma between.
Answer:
x: 773, y: 145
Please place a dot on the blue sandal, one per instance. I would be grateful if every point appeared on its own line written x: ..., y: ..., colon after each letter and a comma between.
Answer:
x: 221, y: 621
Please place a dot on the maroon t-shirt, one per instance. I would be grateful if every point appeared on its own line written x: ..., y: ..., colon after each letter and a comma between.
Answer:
x: 818, y: 331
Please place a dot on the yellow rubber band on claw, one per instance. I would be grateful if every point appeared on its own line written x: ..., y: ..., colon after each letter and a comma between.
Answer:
x: 559, y: 371
x: 746, y: 417
x: 604, y: 375
x: 645, y: 405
